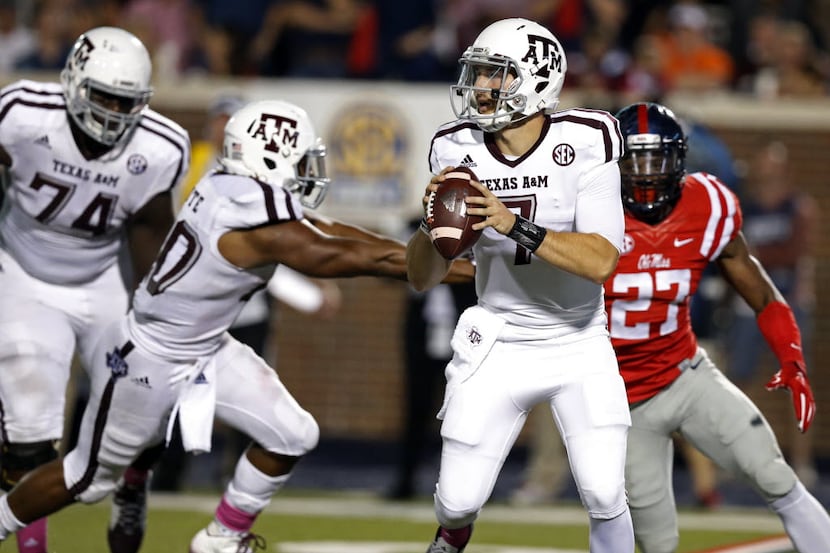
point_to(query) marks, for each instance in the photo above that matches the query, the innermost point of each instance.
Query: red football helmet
(653, 166)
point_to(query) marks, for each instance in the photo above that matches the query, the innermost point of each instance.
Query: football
(450, 227)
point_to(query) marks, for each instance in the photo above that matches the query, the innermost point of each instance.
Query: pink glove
(793, 377)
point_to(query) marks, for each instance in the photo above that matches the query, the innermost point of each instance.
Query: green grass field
(349, 523)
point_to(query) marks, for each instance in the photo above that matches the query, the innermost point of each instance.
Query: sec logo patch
(564, 154)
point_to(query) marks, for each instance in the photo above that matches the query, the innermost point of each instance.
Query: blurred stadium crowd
(618, 51)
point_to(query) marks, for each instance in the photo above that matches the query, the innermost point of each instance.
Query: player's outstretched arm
(460, 270)
(334, 227)
(308, 250)
(426, 268)
(776, 322)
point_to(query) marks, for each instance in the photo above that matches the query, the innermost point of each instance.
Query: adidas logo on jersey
(142, 381)
(43, 141)
(201, 379)
(467, 162)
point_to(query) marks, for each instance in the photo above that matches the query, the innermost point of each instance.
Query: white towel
(195, 408)
(474, 336)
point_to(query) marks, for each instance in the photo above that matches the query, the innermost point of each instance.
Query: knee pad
(86, 486)
(96, 491)
(18, 459)
(761, 462)
(774, 479)
(605, 503)
(309, 435)
(34, 387)
(453, 518)
(293, 437)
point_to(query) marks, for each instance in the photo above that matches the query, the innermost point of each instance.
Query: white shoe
(214, 539)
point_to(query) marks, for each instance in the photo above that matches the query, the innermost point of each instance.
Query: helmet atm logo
(282, 139)
(548, 47)
(81, 55)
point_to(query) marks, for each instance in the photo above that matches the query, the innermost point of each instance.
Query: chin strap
(777, 323)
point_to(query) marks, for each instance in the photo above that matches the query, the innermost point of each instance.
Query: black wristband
(424, 226)
(527, 234)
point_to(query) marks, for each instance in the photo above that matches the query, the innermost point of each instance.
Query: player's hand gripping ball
(450, 227)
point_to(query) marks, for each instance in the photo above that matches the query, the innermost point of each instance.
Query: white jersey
(193, 294)
(569, 181)
(64, 214)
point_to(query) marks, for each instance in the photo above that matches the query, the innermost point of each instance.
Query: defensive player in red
(675, 225)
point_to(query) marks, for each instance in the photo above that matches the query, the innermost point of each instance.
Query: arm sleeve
(295, 289)
(599, 205)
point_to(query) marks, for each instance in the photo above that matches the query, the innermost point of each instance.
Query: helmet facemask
(507, 104)
(651, 172)
(88, 108)
(311, 183)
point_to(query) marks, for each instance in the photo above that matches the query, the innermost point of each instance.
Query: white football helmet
(106, 82)
(274, 142)
(518, 47)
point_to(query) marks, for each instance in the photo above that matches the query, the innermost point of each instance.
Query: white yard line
(348, 506)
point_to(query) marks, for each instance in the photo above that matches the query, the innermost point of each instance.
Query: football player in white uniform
(90, 170)
(552, 235)
(171, 355)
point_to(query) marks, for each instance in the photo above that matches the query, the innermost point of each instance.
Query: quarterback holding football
(551, 232)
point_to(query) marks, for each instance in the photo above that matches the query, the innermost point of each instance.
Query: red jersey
(647, 297)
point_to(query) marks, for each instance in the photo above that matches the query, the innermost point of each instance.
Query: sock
(456, 537)
(32, 538)
(609, 535)
(135, 478)
(805, 520)
(232, 519)
(248, 493)
(9, 524)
